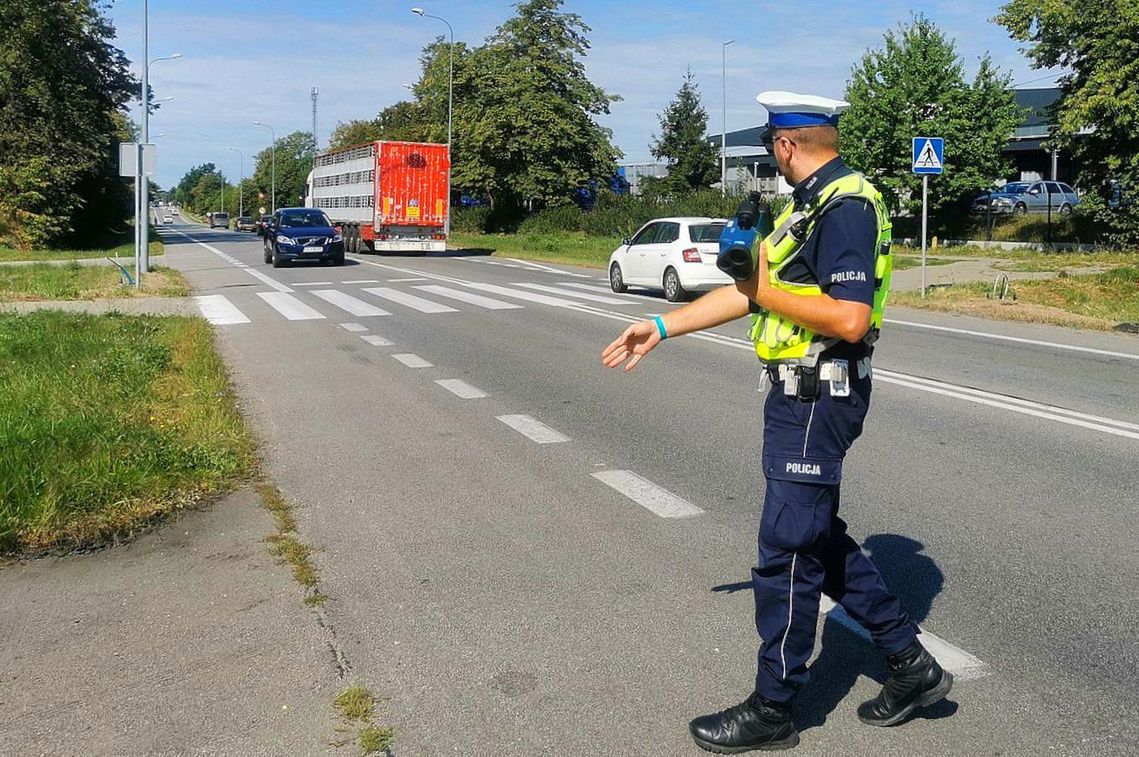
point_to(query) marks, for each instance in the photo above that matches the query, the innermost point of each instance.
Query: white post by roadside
(924, 220)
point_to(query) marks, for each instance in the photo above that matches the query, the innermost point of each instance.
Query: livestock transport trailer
(385, 196)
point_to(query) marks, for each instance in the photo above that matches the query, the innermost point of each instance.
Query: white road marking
(348, 303)
(413, 278)
(963, 666)
(378, 341)
(608, 290)
(355, 328)
(648, 495)
(229, 258)
(289, 306)
(362, 281)
(1017, 339)
(461, 388)
(610, 300)
(410, 300)
(474, 299)
(533, 429)
(551, 269)
(1026, 407)
(412, 361)
(312, 283)
(219, 311)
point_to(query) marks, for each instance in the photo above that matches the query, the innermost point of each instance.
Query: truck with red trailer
(385, 196)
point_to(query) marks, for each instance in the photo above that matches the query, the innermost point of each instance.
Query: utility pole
(724, 120)
(315, 142)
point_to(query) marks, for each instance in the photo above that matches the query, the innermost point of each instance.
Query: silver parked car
(1028, 197)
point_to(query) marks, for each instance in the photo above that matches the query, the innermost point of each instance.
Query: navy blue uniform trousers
(804, 549)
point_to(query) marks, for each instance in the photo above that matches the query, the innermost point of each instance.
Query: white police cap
(790, 110)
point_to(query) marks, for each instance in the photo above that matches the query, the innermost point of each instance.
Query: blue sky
(249, 60)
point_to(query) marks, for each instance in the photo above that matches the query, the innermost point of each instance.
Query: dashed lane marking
(219, 311)
(362, 281)
(312, 283)
(412, 361)
(474, 299)
(378, 341)
(348, 303)
(963, 666)
(290, 307)
(355, 328)
(550, 269)
(461, 388)
(533, 429)
(410, 300)
(655, 499)
(413, 278)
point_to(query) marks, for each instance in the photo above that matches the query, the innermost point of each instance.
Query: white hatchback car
(677, 255)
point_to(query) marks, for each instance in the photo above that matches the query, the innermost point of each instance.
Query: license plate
(314, 248)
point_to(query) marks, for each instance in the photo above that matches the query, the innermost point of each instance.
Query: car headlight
(337, 238)
(281, 239)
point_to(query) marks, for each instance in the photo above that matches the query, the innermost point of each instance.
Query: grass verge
(356, 706)
(1097, 301)
(72, 281)
(556, 247)
(125, 250)
(903, 262)
(108, 423)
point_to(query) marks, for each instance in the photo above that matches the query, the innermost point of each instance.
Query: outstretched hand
(637, 341)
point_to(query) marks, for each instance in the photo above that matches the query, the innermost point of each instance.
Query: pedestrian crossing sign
(928, 155)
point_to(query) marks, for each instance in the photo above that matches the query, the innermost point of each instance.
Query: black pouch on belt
(808, 383)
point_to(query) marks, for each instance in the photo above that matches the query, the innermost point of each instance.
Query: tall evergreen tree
(1097, 116)
(682, 143)
(915, 86)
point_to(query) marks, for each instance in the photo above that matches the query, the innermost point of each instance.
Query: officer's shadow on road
(915, 578)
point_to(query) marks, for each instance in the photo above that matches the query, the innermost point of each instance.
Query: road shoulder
(188, 640)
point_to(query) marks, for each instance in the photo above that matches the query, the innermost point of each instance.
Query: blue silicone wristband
(660, 327)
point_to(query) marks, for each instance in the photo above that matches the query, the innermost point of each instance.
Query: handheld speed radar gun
(737, 242)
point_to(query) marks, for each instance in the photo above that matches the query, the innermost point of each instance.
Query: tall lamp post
(450, 104)
(241, 180)
(142, 186)
(724, 118)
(273, 149)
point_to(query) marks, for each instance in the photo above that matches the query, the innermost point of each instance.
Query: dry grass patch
(72, 281)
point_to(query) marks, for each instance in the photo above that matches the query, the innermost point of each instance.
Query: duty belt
(803, 381)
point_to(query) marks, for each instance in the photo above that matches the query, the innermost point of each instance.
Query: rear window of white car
(705, 232)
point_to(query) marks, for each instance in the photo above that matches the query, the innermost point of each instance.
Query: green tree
(183, 190)
(1097, 116)
(682, 144)
(63, 87)
(525, 127)
(294, 161)
(915, 86)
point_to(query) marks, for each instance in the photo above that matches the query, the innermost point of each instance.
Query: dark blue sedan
(302, 234)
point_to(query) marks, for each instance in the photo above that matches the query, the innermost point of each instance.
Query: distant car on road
(302, 234)
(167, 219)
(219, 220)
(244, 223)
(677, 255)
(1020, 197)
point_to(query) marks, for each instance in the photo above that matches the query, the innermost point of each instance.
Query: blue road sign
(929, 153)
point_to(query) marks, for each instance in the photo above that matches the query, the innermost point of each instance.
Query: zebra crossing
(311, 304)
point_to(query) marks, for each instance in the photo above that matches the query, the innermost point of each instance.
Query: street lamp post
(450, 107)
(142, 186)
(273, 151)
(724, 119)
(240, 182)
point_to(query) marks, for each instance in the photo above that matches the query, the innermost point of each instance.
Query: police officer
(815, 299)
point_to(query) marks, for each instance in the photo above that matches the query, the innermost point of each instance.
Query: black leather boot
(755, 723)
(916, 680)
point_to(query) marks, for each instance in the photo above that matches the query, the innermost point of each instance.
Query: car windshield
(705, 232)
(300, 219)
(1015, 188)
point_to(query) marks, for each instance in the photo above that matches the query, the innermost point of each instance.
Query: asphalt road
(507, 600)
